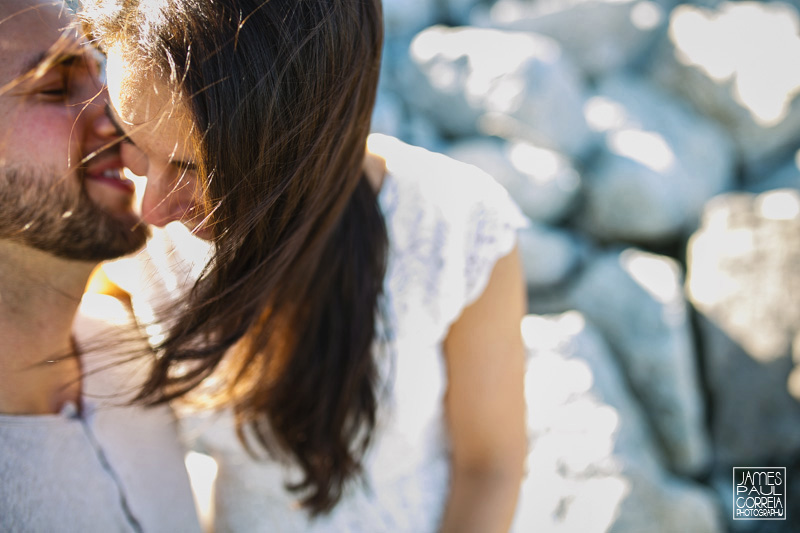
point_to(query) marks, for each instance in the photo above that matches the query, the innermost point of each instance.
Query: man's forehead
(30, 31)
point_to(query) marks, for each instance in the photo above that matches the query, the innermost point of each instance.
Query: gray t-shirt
(110, 468)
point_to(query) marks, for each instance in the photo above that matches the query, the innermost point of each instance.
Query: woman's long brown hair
(281, 93)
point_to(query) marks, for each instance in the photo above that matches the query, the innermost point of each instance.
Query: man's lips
(108, 170)
(113, 178)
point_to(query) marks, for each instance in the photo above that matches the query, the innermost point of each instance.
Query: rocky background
(653, 145)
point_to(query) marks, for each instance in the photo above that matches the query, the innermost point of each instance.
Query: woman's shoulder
(435, 175)
(429, 187)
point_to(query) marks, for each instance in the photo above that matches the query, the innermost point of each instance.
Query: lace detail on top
(448, 224)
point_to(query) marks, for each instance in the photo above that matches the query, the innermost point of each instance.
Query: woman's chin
(200, 231)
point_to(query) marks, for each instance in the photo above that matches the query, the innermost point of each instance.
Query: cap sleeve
(489, 232)
(449, 223)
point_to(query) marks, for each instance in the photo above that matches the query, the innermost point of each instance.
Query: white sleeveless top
(448, 223)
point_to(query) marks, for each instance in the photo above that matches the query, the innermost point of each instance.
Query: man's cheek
(109, 198)
(46, 141)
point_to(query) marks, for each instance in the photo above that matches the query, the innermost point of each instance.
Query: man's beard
(47, 213)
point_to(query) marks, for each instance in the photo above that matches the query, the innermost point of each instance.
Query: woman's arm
(485, 405)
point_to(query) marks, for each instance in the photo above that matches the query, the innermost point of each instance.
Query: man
(73, 455)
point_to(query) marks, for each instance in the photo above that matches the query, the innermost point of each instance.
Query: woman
(360, 313)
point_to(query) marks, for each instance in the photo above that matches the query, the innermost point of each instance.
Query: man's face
(61, 188)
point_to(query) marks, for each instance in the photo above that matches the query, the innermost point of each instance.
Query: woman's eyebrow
(184, 165)
(112, 116)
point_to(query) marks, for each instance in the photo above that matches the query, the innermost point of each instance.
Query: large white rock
(602, 36)
(513, 84)
(593, 465)
(744, 281)
(738, 64)
(658, 166)
(636, 300)
(543, 182)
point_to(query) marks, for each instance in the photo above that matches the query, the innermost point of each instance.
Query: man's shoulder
(115, 356)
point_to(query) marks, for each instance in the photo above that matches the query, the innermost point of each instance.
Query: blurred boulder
(629, 200)
(744, 282)
(786, 177)
(738, 64)
(457, 12)
(549, 255)
(636, 300)
(542, 182)
(407, 17)
(419, 130)
(659, 164)
(593, 464)
(601, 36)
(510, 84)
(404, 18)
(388, 114)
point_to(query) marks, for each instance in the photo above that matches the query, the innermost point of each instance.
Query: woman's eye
(123, 137)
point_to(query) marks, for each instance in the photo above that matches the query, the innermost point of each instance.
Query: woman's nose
(134, 159)
(159, 209)
(164, 202)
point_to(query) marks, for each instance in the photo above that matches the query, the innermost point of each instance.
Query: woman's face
(158, 145)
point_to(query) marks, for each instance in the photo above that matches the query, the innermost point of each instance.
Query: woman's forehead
(137, 94)
(151, 111)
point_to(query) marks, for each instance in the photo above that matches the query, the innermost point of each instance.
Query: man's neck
(39, 296)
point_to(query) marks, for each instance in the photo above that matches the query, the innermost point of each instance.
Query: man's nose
(99, 131)
(102, 125)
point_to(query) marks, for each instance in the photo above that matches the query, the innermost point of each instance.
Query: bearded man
(75, 456)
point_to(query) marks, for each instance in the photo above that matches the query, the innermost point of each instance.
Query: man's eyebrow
(48, 60)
